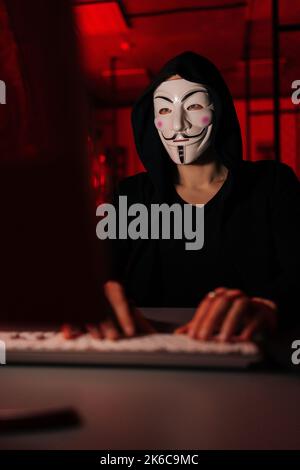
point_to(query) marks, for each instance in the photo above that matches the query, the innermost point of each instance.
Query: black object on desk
(37, 420)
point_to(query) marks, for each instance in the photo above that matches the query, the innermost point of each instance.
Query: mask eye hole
(194, 107)
(165, 111)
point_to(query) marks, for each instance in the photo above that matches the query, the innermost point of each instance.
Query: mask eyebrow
(192, 93)
(164, 98)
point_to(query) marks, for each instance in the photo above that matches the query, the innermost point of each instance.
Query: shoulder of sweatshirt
(271, 177)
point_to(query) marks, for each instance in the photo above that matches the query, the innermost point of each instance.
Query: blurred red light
(102, 158)
(102, 179)
(100, 18)
(125, 46)
(95, 182)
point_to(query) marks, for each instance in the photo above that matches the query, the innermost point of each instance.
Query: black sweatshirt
(252, 228)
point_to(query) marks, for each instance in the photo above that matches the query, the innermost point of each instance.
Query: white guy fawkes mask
(184, 119)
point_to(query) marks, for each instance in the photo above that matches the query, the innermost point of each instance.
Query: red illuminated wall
(261, 130)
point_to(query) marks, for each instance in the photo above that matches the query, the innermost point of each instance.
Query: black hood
(226, 136)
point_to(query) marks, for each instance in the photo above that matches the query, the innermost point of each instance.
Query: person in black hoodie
(245, 278)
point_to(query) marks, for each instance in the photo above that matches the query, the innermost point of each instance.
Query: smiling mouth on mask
(182, 137)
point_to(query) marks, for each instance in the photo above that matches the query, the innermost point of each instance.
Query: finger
(262, 301)
(94, 331)
(233, 293)
(70, 331)
(213, 318)
(206, 304)
(253, 326)
(270, 311)
(142, 323)
(239, 308)
(220, 290)
(116, 296)
(199, 316)
(109, 330)
(183, 329)
(227, 291)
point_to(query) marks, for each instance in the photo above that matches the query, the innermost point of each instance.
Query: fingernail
(222, 338)
(129, 330)
(70, 332)
(112, 337)
(202, 334)
(191, 333)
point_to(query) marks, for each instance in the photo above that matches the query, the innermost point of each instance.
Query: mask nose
(180, 123)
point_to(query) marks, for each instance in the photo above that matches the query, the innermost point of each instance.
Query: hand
(125, 319)
(229, 314)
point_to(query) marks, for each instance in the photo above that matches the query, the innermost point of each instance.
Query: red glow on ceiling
(124, 72)
(100, 18)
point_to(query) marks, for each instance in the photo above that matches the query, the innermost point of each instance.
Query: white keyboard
(156, 349)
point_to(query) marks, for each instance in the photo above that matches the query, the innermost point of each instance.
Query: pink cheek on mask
(205, 121)
(158, 123)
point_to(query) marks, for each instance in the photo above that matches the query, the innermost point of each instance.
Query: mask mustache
(184, 135)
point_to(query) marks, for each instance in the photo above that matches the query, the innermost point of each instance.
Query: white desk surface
(135, 408)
